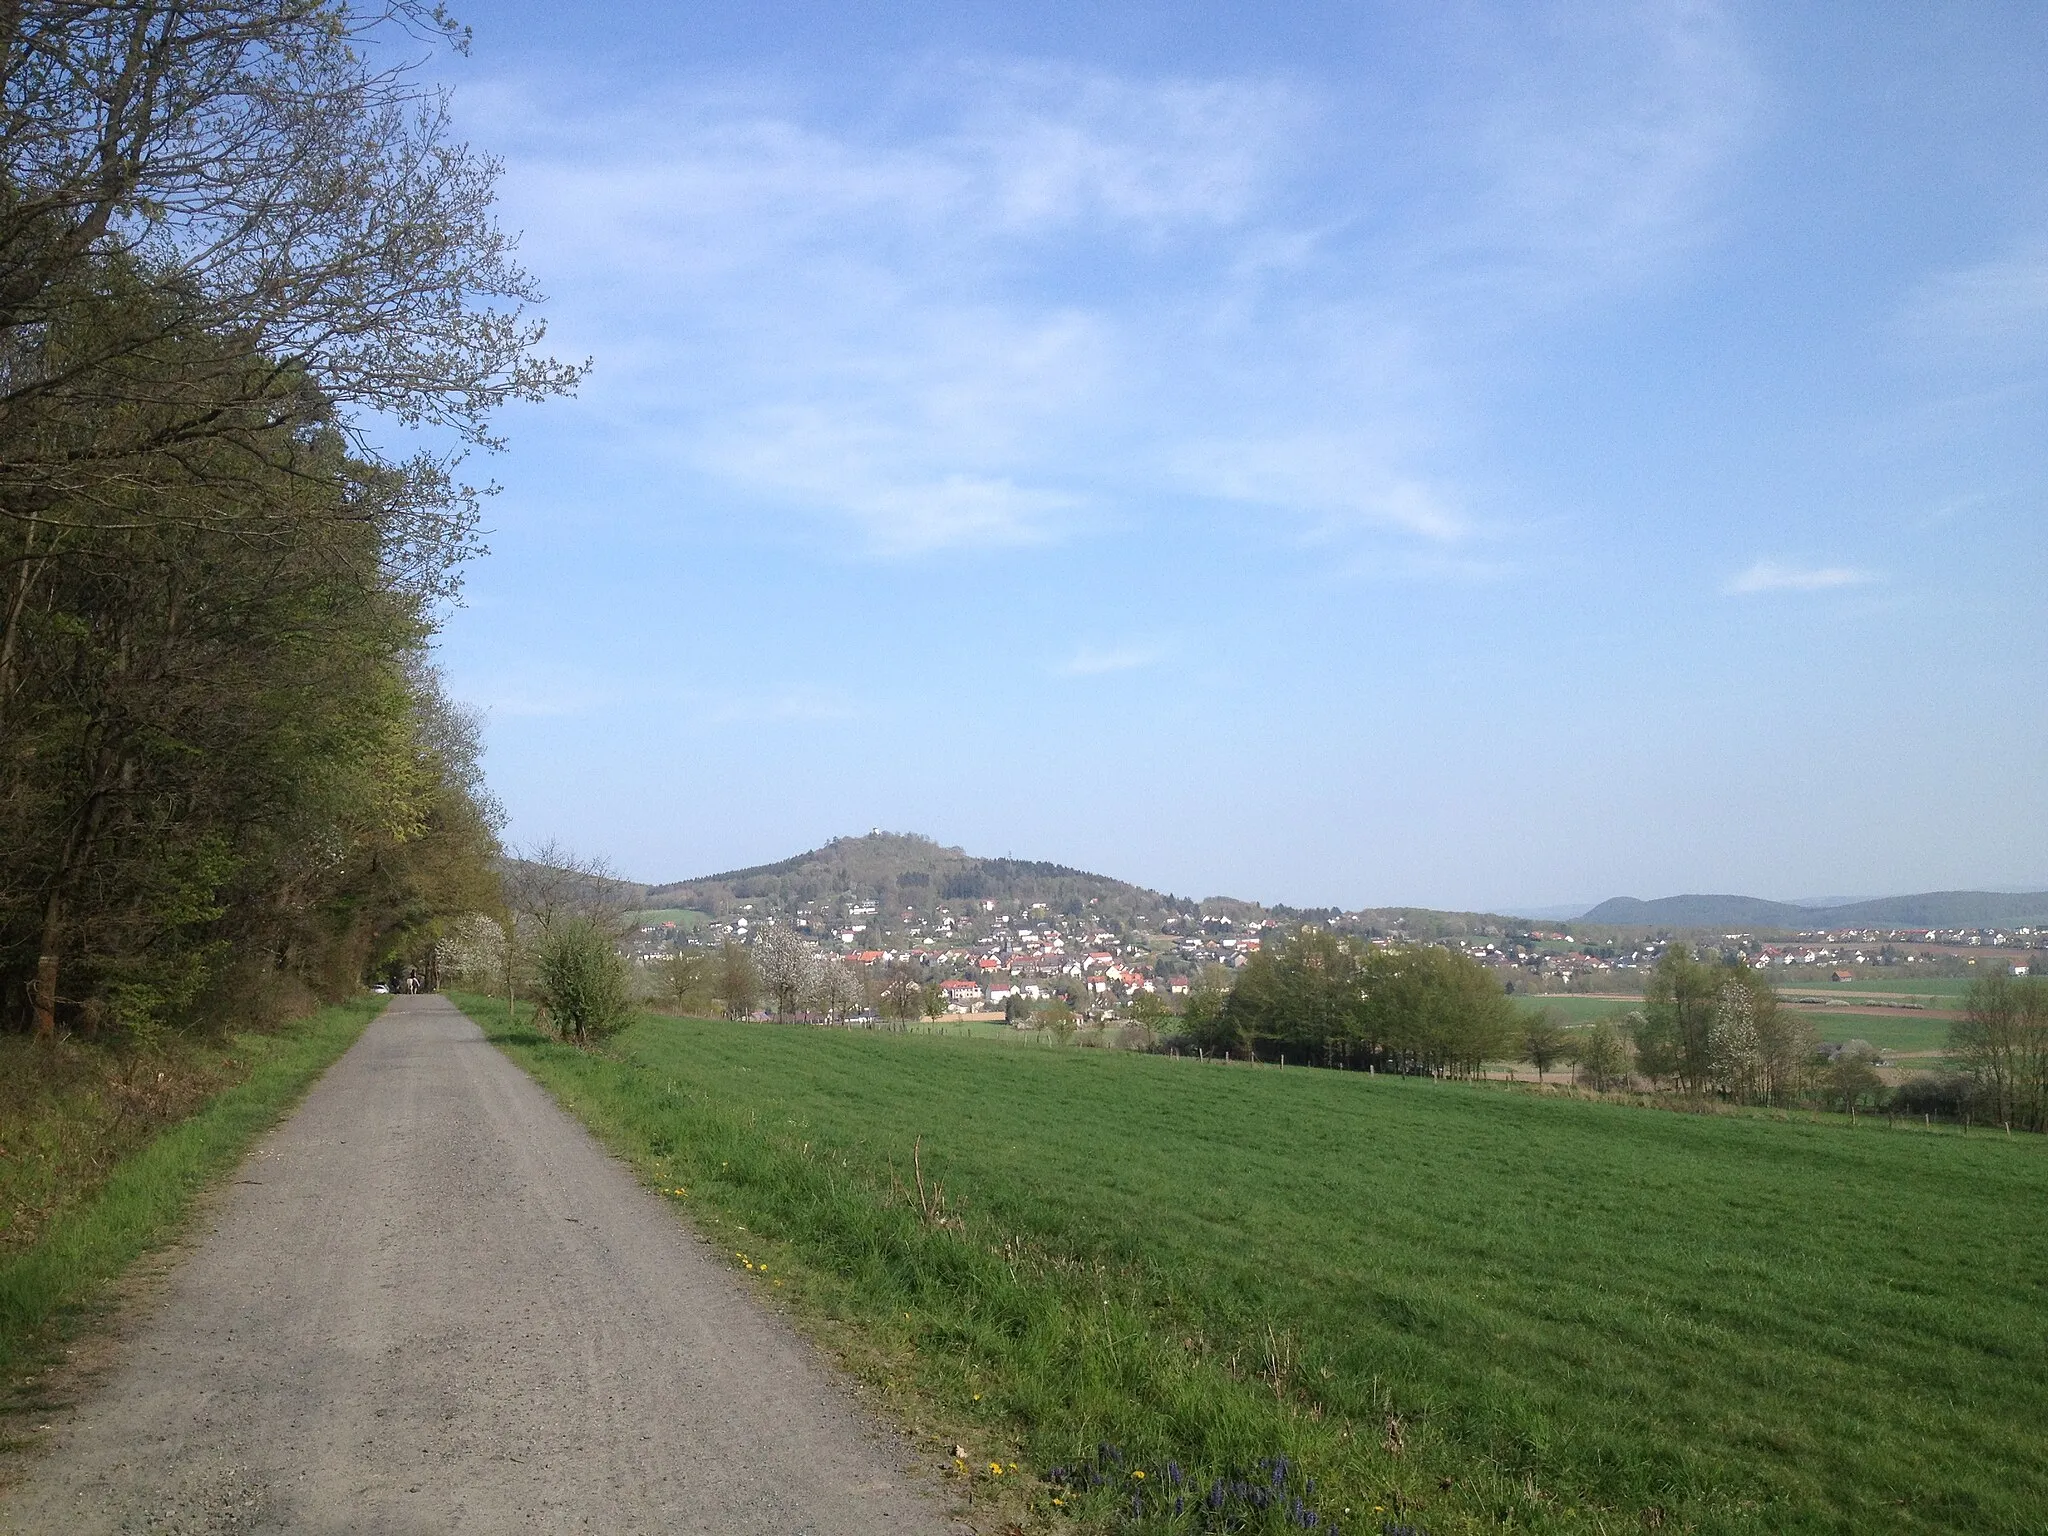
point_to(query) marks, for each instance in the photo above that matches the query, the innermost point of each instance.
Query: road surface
(431, 1303)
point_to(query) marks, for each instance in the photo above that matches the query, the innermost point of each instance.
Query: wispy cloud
(1031, 298)
(793, 705)
(1092, 661)
(1334, 481)
(1774, 576)
(1599, 139)
(1996, 309)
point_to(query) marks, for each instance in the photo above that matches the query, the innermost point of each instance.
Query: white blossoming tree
(789, 970)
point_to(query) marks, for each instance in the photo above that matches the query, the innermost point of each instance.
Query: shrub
(583, 981)
(1947, 1094)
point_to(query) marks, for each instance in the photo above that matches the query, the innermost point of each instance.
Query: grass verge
(81, 1216)
(1318, 1300)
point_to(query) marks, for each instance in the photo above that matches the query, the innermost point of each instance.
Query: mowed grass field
(1939, 991)
(1456, 1307)
(1898, 1030)
(1576, 1008)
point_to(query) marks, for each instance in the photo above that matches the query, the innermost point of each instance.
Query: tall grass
(99, 1230)
(1456, 1306)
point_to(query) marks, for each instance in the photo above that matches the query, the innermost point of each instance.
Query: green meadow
(1454, 1307)
(1890, 1030)
(1937, 991)
(689, 919)
(1577, 1009)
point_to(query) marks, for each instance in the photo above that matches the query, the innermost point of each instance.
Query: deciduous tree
(788, 968)
(2002, 1042)
(228, 239)
(1603, 1055)
(688, 981)
(1543, 1041)
(739, 982)
(1675, 1038)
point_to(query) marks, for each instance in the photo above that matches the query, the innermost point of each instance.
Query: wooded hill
(903, 869)
(897, 870)
(1931, 909)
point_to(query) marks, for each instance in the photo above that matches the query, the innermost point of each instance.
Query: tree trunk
(11, 637)
(46, 997)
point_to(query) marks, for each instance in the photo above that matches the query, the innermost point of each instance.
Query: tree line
(1706, 1028)
(559, 939)
(1326, 999)
(228, 242)
(1716, 1029)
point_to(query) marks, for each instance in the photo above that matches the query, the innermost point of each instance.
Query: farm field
(1457, 1307)
(1933, 988)
(1576, 1008)
(1889, 1031)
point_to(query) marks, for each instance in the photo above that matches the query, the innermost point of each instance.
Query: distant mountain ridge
(1930, 909)
(894, 869)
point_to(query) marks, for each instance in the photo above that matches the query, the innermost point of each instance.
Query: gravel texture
(430, 1302)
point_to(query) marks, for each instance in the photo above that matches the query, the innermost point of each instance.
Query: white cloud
(1772, 576)
(1338, 482)
(1996, 309)
(789, 705)
(1606, 133)
(1091, 661)
(1031, 299)
(870, 472)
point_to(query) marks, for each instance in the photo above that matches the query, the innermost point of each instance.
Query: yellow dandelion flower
(977, 1397)
(1139, 1474)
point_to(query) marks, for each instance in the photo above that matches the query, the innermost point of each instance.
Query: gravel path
(431, 1303)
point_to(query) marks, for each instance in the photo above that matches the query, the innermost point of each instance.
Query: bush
(1946, 1094)
(583, 981)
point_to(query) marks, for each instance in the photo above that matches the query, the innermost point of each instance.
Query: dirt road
(431, 1303)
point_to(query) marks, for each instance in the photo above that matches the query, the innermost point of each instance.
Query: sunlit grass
(1565, 1315)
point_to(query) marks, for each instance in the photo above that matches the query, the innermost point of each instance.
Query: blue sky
(1454, 454)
